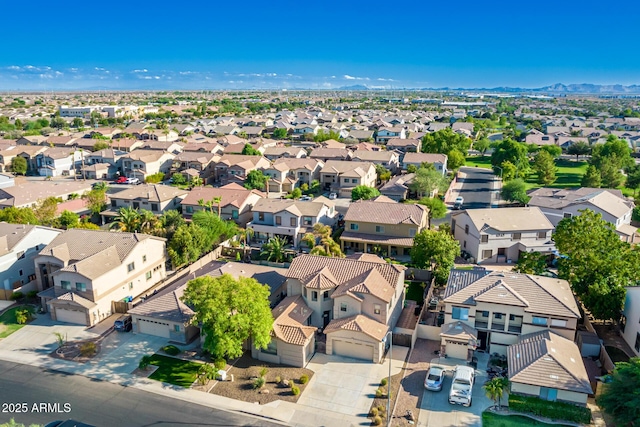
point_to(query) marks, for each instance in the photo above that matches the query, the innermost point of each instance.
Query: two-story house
(289, 219)
(356, 302)
(325, 154)
(500, 235)
(103, 164)
(82, 272)
(235, 167)
(155, 198)
(302, 170)
(383, 226)
(439, 161)
(280, 178)
(59, 161)
(343, 176)
(389, 159)
(19, 244)
(274, 153)
(407, 145)
(236, 202)
(398, 187)
(142, 163)
(386, 133)
(196, 162)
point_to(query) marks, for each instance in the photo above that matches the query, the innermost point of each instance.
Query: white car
(133, 181)
(434, 379)
(333, 196)
(457, 204)
(462, 385)
(305, 198)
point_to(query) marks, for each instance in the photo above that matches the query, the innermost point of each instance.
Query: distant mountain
(558, 88)
(355, 87)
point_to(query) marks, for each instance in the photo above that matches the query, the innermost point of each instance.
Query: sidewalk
(454, 188)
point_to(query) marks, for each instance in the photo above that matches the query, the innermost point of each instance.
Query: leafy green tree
(436, 250)
(545, 168)
(531, 263)
(383, 173)
(100, 145)
(591, 178)
(412, 169)
(508, 171)
(215, 229)
(255, 179)
(274, 249)
(68, 219)
(616, 150)
(14, 215)
(633, 178)
(515, 191)
(321, 242)
(19, 165)
(230, 312)
(178, 179)
(597, 264)
(322, 136)
(578, 149)
(280, 133)
(611, 175)
(186, 245)
(169, 222)
(437, 208)
(482, 145)
(96, 199)
(445, 140)
(495, 389)
(12, 423)
(621, 397)
(296, 193)
(455, 159)
(363, 192)
(427, 181)
(514, 152)
(77, 122)
(46, 210)
(554, 150)
(248, 150)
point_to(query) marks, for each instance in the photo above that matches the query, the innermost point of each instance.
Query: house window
(637, 345)
(144, 258)
(278, 220)
(136, 205)
(176, 328)
(466, 229)
(325, 295)
(260, 216)
(497, 323)
(304, 292)
(540, 321)
(517, 236)
(234, 214)
(487, 253)
(567, 214)
(81, 286)
(346, 180)
(460, 313)
(559, 323)
(293, 222)
(353, 227)
(623, 323)
(154, 206)
(354, 181)
(314, 295)
(148, 275)
(484, 238)
(306, 220)
(376, 309)
(343, 306)
(412, 232)
(20, 254)
(189, 209)
(515, 323)
(131, 267)
(130, 285)
(65, 284)
(272, 347)
(113, 203)
(379, 228)
(542, 234)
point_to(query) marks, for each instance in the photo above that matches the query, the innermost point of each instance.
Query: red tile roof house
(236, 202)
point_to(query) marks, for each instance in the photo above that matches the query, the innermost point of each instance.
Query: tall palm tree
(208, 204)
(148, 222)
(245, 236)
(274, 249)
(218, 201)
(321, 242)
(495, 388)
(196, 181)
(128, 220)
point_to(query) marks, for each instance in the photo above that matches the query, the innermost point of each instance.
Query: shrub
(383, 382)
(635, 214)
(16, 296)
(379, 393)
(373, 412)
(155, 178)
(88, 349)
(32, 294)
(220, 364)
(259, 382)
(278, 379)
(377, 420)
(144, 363)
(553, 410)
(171, 350)
(22, 316)
(381, 409)
(304, 379)
(263, 372)
(295, 390)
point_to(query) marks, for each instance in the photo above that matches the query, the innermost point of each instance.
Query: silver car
(434, 379)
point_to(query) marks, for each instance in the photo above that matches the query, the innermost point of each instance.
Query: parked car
(434, 379)
(123, 324)
(121, 180)
(132, 181)
(462, 385)
(333, 196)
(67, 423)
(305, 198)
(457, 204)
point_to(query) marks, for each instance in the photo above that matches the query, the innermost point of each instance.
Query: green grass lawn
(415, 291)
(479, 162)
(8, 324)
(492, 420)
(569, 175)
(174, 371)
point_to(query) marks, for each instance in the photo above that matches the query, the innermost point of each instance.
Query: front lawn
(8, 323)
(479, 162)
(174, 371)
(490, 419)
(569, 175)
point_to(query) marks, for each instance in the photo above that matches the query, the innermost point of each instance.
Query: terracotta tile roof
(167, 306)
(370, 282)
(459, 330)
(346, 168)
(359, 256)
(152, 193)
(322, 280)
(290, 317)
(353, 236)
(386, 211)
(77, 299)
(295, 207)
(232, 194)
(301, 163)
(358, 323)
(508, 219)
(546, 359)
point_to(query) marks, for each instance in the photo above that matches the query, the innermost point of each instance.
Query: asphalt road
(477, 188)
(99, 403)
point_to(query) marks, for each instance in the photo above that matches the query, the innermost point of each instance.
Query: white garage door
(71, 316)
(352, 349)
(457, 351)
(150, 327)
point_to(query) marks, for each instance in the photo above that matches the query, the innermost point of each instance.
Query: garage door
(352, 349)
(71, 316)
(150, 327)
(457, 351)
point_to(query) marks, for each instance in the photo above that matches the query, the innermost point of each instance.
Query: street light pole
(390, 334)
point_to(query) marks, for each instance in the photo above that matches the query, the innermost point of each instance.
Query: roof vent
(554, 377)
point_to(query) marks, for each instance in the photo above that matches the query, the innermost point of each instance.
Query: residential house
(303, 170)
(28, 193)
(343, 176)
(103, 164)
(540, 139)
(495, 308)
(126, 144)
(274, 153)
(236, 202)
(252, 131)
(59, 161)
(155, 198)
(383, 226)
(280, 178)
(463, 128)
(439, 161)
(81, 273)
(29, 153)
(235, 167)
(202, 163)
(398, 187)
(325, 154)
(289, 219)
(407, 145)
(500, 235)
(31, 140)
(19, 244)
(356, 302)
(546, 365)
(386, 133)
(142, 163)
(630, 319)
(565, 142)
(303, 129)
(365, 146)
(389, 159)
(361, 135)
(173, 147)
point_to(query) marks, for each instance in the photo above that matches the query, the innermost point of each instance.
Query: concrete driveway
(121, 351)
(345, 386)
(435, 409)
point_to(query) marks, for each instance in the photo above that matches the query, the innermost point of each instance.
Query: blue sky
(329, 44)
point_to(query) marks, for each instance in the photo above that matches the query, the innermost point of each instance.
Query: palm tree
(218, 201)
(495, 388)
(245, 235)
(274, 249)
(101, 186)
(321, 241)
(148, 222)
(207, 204)
(128, 220)
(169, 223)
(196, 181)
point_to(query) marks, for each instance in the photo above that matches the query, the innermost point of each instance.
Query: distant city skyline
(211, 45)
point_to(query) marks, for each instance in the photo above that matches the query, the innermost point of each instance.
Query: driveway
(435, 409)
(345, 386)
(121, 351)
(478, 188)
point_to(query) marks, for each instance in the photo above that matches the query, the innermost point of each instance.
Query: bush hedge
(171, 350)
(552, 410)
